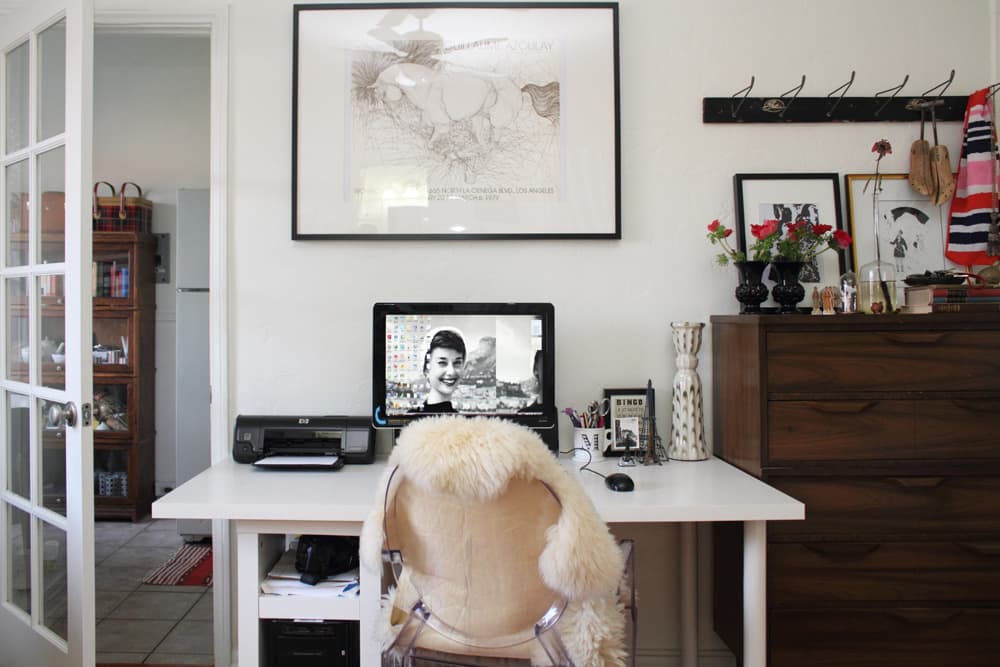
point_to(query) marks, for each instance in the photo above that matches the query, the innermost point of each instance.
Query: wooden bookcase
(885, 427)
(124, 301)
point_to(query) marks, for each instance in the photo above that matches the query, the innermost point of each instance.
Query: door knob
(62, 413)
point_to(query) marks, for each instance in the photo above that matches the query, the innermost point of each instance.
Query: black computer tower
(310, 643)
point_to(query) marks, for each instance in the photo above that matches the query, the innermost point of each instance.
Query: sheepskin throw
(475, 460)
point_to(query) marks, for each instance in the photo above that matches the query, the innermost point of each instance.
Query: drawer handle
(843, 407)
(925, 616)
(982, 548)
(841, 550)
(913, 338)
(918, 482)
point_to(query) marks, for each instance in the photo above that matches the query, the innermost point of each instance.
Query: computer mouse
(619, 481)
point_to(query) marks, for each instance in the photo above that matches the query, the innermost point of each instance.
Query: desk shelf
(302, 606)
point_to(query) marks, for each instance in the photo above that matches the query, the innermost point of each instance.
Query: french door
(46, 374)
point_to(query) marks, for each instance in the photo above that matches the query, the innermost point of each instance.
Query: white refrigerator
(193, 394)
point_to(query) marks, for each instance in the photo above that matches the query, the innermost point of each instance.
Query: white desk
(265, 504)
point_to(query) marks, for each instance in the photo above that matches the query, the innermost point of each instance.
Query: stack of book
(951, 299)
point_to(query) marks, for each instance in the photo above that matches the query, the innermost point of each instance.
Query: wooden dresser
(888, 429)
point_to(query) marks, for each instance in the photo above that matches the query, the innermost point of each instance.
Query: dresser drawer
(834, 573)
(866, 430)
(852, 361)
(862, 508)
(911, 637)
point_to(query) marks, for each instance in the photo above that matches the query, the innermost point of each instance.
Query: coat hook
(845, 87)
(746, 92)
(943, 86)
(993, 90)
(778, 105)
(894, 90)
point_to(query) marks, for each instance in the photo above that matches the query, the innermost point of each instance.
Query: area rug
(190, 566)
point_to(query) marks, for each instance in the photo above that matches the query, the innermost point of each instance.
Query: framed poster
(789, 198)
(626, 410)
(455, 121)
(911, 230)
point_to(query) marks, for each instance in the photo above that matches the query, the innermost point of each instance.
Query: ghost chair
(497, 555)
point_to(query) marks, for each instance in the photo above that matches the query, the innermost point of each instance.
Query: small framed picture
(623, 428)
(911, 229)
(789, 198)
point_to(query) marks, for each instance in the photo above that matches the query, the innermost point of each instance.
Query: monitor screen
(495, 359)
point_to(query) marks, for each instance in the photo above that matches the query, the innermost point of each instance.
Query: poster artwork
(628, 412)
(789, 213)
(441, 119)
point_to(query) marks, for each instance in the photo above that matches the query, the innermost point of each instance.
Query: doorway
(152, 127)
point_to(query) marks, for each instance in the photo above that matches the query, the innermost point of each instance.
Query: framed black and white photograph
(455, 121)
(626, 410)
(911, 229)
(790, 198)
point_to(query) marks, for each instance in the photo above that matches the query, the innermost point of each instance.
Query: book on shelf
(922, 295)
(966, 307)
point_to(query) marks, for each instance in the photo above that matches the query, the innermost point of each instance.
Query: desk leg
(247, 587)
(689, 594)
(754, 593)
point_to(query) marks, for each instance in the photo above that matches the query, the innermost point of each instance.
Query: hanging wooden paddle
(944, 180)
(921, 179)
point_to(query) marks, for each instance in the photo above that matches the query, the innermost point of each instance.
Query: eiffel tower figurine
(650, 439)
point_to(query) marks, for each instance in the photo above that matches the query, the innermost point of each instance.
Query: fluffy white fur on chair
(475, 459)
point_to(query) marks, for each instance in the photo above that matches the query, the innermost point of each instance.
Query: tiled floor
(140, 623)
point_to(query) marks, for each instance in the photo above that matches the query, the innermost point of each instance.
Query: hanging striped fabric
(973, 204)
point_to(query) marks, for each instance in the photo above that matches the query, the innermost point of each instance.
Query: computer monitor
(492, 359)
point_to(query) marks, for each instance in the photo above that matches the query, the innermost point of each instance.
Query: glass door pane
(19, 350)
(53, 459)
(16, 194)
(19, 445)
(52, 209)
(16, 97)
(18, 551)
(52, 346)
(52, 80)
(53, 583)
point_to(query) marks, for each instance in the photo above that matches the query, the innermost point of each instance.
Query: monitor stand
(550, 436)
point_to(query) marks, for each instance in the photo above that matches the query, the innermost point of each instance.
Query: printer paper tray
(300, 462)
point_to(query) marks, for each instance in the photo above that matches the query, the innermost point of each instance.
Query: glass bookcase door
(111, 473)
(112, 400)
(113, 335)
(112, 279)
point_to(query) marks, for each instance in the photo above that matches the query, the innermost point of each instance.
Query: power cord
(590, 459)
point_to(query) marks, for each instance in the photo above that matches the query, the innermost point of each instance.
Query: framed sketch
(789, 198)
(911, 229)
(626, 409)
(456, 120)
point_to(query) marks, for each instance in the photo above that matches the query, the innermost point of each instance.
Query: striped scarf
(973, 204)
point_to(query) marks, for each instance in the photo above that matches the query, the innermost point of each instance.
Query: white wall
(300, 316)
(151, 124)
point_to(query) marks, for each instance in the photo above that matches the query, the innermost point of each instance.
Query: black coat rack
(884, 106)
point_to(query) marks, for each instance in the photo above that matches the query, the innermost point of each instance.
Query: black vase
(788, 291)
(751, 292)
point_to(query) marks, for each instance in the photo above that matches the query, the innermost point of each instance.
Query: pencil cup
(588, 439)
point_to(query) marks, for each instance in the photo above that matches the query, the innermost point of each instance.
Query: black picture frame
(626, 409)
(374, 158)
(788, 195)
